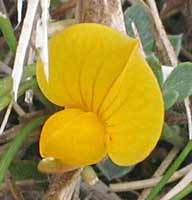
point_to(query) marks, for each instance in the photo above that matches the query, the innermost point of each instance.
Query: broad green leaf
(139, 14)
(172, 136)
(28, 71)
(156, 68)
(4, 101)
(25, 169)
(29, 84)
(144, 24)
(170, 98)
(5, 85)
(176, 41)
(111, 170)
(179, 81)
(16, 144)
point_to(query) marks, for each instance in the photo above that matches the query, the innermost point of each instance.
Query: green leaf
(144, 24)
(111, 170)
(4, 101)
(28, 84)
(155, 65)
(16, 144)
(8, 33)
(140, 15)
(176, 41)
(178, 83)
(55, 3)
(5, 85)
(172, 136)
(28, 71)
(170, 98)
(25, 169)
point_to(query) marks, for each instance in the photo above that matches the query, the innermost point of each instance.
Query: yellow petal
(97, 69)
(73, 136)
(133, 112)
(85, 61)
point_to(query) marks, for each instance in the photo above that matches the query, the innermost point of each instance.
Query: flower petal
(85, 61)
(74, 137)
(133, 112)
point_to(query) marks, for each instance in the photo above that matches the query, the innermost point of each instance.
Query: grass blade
(7, 30)
(17, 143)
(170, 171)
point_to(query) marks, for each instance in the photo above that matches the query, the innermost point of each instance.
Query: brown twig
(23, 185)
(5, 68)
(60, 11)
(108, 12)
(99, 191)
(17, 195)
(63, 186)
(162, 41)
(175, 118)
(186, 53)
(3, 8)
(12, 132)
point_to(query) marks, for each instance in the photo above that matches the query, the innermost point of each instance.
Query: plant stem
(16, 144)
(183, 193)
(170, 171)
(7, 30)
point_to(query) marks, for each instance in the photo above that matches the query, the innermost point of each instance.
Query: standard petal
(74, 137)
(133, 113)
(85, 61)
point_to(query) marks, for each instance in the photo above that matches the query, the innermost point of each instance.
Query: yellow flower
(114, 104)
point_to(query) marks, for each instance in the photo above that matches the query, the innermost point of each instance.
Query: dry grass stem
(5, 68)
(2, 7)
(63, 186)
(17, 195)
(161, 169)
(186, 180)
(5, 119)
(99, 191)
(163, 39)
(148, 183)
(19, 110)
(23, 44)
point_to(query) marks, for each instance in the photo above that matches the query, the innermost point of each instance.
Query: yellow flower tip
(115, 100)
(51, 165)
(74, 137)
